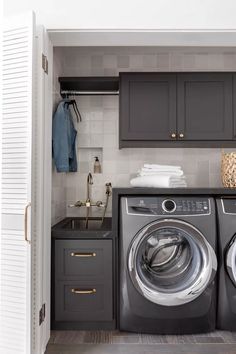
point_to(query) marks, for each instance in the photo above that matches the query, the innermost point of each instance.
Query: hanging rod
(83, 93)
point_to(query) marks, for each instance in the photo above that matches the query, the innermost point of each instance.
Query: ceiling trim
(166, 38)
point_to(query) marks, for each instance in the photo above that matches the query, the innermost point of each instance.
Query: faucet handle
(77, 204)
(108, 188)
(99, 203)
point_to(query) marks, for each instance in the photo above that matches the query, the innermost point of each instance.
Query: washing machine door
(231, 260)
(170, 262)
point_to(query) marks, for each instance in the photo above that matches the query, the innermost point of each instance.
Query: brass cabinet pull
(181, 135)
(79, 254)
(173, 135)
(83, 291)
(26, 222)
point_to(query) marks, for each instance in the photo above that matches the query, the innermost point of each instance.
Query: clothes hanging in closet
(64, 139)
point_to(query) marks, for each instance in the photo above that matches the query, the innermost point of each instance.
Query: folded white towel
(149, 172)
(161, 167)
(164, 181)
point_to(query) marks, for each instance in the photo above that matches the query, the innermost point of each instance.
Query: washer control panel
(229, 205)
(168, 205)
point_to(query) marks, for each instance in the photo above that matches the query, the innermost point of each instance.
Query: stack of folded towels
(160, 176)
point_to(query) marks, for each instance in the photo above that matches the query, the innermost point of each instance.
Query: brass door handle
(26, 222)
(83, 291)
(173, 135)
(79, 254)
(181, 135)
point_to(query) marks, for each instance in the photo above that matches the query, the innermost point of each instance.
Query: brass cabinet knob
(173, 135)
(181, 135)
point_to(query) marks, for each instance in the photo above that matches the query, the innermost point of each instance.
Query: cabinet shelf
(89, 85)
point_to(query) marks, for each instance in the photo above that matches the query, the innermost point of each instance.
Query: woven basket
(228, 169)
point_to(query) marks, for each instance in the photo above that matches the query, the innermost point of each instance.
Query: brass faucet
(89, 183)
(88, 203)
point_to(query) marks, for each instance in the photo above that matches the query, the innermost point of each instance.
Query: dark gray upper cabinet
(204, 106)
(177, 109)
(147, 106)
(234, 106)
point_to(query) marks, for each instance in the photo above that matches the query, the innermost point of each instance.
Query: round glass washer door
(170, 262)
(231, 260)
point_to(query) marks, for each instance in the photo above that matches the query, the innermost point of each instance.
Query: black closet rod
(76, 93)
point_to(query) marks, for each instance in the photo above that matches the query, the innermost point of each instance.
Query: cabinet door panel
(234, 106)
(82, 258)
(204, 107)
(147, 106)
(84, 301)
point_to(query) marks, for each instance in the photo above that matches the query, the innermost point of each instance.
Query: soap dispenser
(97, 166)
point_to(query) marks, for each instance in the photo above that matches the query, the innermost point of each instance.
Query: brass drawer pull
(84, 291)
(79, 254)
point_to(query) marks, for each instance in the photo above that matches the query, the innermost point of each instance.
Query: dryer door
(170, 262)
(231, 260)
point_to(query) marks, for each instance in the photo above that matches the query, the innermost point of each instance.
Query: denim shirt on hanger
(64, 139)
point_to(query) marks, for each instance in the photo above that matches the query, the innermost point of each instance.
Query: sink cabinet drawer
(83, 259)
(83, 301)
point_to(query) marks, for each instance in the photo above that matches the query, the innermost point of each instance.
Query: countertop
(173, 191)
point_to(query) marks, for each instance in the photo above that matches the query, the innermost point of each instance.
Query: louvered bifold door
(15, 246)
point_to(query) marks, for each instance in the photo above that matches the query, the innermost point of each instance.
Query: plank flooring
(115, 342)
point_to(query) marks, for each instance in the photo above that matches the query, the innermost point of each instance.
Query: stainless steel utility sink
(76, 227)
(80, 224)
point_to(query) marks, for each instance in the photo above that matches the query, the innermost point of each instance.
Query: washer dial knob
(169, 206)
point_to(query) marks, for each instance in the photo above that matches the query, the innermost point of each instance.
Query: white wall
(123, 14)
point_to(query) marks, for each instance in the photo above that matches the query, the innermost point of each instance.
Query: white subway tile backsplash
(149, 61)
(188, 62)
(229, 60)
(163, 62)
(96, 140)
(110, 61)
(123, 61)
(216, 62)
(97, 62)
(109, 167)
(83, 167)
(202, 62)
(83, 127)
(110, 127)
(83, 140)
(136, 61)
(96, 127)
(110, 141)
(98, 132)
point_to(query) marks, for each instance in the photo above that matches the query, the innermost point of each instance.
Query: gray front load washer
(167, 264)
(226, 315)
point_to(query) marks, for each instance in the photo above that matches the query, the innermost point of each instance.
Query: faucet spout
(89, 182)
(88, 200)
(90, 178)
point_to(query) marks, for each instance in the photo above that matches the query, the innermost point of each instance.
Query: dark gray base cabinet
(177, 109)
(83, 284)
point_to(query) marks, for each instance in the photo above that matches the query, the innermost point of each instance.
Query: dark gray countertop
(173, 191)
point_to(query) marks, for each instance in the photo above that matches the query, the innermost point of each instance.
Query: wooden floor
(115, 342)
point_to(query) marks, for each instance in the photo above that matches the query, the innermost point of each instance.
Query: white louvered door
(15, 246)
